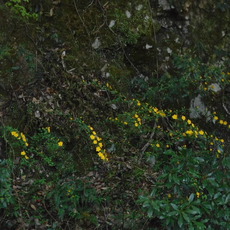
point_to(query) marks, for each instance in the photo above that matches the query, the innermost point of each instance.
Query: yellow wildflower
(95, 142)
(99, 139)
(136, 124)
(94, 133)
(216, 118)
(14, 133)
(158, 145)
(48, 129)
(136, 116)
(27, 157)
(23, 137)
(225, 123)
(92, 137)
(183, 118)
(125, 123)
(60, 143)
(189, 122)
(169, 195)
(98, 148)
(198, 194)
(175, 116)
(222, 140)
(189, 132)
(201, 132)
(100, 144)
(221, 122)
(103, 156)
(23, 153)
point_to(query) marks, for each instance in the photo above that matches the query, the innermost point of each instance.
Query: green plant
(19, 7)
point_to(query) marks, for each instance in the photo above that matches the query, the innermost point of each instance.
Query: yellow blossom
(27, 157)
(189, 132)
(23, 153)
(14, 133)
(216, 118)
(98, 148)
(99, 139)
(23, 137)
(201, 132)
(95, 142)
(103, 156)
(92, 137)
(189, 122)
(221, 122)
(175, 116)
(198, 194)
(100, 144)
(169, 195)
(222, 140)
(136, 124)
(183, 118)
(158, 145)
(225, 123)
(48, 129)
(136, 116)
(60, 143)
(125, 123)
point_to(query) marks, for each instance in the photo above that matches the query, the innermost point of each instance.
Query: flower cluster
(137, 120)
(97, 141)
(20, 136)
(23, 153)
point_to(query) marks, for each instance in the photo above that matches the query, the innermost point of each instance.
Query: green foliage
(6, 192)
(19, 7)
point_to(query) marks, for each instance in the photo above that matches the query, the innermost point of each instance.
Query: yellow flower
(136, 116)
(216, 118)
(103, 156)
(27, 157)
(94, 133)
(98, 148)
(99, 139)
(201, 132)
(100, 144)
(169, 195)
(136, 124)
(189, 132)
(221, 122)
(225, 123)
(91, 128)
(155, 109)
(95, 142)
(183, 118)
(92, 137)
(48, 129)
(158, 145)
(189, 122)
(15, 134)
(138, 103)
(23, 137)
(23, 153)
(175, 116)
(125, 123)
(60, 143)
(222, 140)
(198, 194)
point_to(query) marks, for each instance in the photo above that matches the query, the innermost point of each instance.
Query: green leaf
(191, 197)
(185, 216)
(180, 221)
(175, 207)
